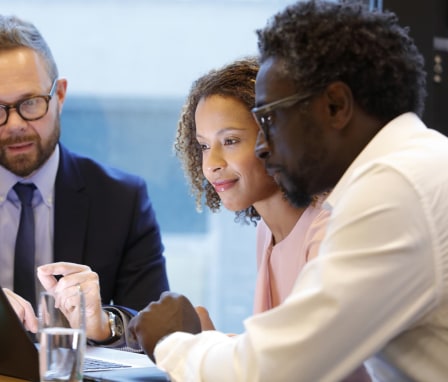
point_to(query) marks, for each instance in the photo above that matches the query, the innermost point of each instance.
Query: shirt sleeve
(373, 279)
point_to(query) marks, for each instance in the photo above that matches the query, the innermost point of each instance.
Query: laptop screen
(18, 355)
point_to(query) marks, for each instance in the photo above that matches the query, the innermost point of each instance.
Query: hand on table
(23, 309)
(76, 277)
(171, 313)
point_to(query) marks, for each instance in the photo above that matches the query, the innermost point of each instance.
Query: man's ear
(339, 100)
(61, 92)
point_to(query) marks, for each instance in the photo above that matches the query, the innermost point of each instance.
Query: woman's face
(227, 133)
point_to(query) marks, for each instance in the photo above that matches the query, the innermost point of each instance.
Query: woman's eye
(203, 147)
(230, 141)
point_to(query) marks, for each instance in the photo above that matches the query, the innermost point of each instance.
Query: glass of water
(62, 339)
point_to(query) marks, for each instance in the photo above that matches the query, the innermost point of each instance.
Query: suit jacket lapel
(71, 210)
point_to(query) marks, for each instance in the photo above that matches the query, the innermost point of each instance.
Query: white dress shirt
(43, 206)
(379, 286)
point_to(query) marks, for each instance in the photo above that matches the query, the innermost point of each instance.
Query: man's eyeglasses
(29, 109)
(264, 115)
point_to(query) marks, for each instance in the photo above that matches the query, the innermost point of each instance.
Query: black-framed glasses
(264, 115)
(29, 109)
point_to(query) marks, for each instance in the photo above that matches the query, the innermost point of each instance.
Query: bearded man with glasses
(89, 227)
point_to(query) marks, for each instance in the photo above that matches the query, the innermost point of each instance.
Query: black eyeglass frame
(260, 113)
(18, 104)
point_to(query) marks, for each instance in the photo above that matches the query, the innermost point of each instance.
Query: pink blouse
(280, 264)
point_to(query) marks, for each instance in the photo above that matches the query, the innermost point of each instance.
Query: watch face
(116, 326)
(119, 328)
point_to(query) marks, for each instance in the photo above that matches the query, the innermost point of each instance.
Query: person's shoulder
(262, 227)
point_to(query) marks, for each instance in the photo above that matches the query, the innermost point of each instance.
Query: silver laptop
(19, 356)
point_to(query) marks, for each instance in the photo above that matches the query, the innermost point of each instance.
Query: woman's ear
(339, 100)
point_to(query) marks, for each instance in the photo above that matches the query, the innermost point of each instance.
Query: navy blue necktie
(24, 266)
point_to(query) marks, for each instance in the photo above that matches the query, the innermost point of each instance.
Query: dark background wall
(428, 23)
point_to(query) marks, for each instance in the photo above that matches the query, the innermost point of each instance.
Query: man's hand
(171, 313)
(23, 309)
(76, 277)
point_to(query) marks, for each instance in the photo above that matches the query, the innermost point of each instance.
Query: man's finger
(61, 268)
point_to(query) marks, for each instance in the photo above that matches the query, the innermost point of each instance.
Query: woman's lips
(224, 185)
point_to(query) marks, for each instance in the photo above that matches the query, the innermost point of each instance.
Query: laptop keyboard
(91, 364)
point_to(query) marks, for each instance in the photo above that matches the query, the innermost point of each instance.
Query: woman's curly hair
(320, 42)
(236, 80)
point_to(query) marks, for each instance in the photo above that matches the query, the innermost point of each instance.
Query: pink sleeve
(316, 233)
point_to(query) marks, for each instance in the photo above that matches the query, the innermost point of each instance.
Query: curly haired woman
(215, 142)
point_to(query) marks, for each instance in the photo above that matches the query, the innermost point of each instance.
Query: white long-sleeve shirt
(379, 286)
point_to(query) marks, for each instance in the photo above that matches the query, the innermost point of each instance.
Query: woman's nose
(214, 160)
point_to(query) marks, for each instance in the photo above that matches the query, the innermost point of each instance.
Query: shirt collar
(384, 142)
(44, 179)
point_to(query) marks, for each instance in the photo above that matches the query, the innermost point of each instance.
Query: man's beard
(301, 182)
(295, 192)
(24, 165)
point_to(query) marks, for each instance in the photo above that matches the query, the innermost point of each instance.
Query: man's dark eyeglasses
(29, 109)
(264, 114)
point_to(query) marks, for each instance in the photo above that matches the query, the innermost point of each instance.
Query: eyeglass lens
(29, 109)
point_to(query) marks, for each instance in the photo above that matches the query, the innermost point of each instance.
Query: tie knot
(25, 192)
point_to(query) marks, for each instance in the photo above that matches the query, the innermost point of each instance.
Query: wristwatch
(116, 329)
